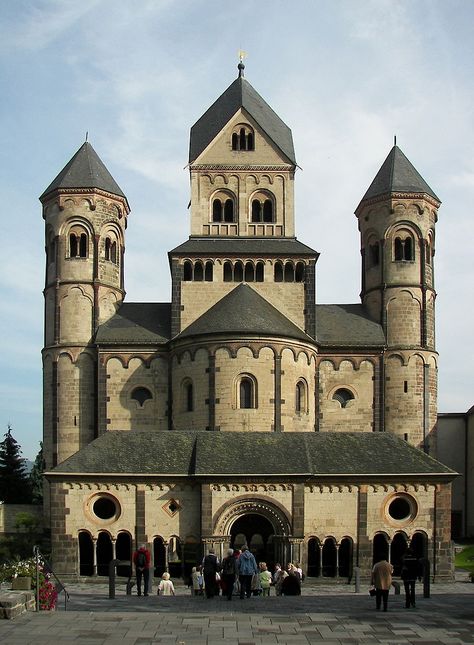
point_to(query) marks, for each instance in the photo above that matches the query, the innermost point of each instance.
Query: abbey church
(242, 410)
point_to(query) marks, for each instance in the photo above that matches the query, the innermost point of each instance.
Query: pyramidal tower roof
(85, 170)
(240, 94)
(397, 175)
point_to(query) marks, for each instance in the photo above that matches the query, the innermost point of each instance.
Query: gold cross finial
(242, 55)
(241, 65)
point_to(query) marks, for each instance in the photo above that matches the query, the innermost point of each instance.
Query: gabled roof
(137, 323)
(85, 170)
(244, 246)
(244, 311)
(347, 325)
(398, 175)
(304, 454)
(240, 94)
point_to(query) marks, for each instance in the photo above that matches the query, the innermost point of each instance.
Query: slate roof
(397, 175)
(203, 454)
(347, 325)
(240, 94)
(137, 323)
(244, 311)
(85, 170)
(260, 246)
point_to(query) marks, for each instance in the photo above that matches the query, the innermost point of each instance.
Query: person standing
(411, 570)
(229, 572)
(247, 569)
(166, 587)
(278, 577)
(382, 579)
(210, 569)
(265, 579)
(141, 560)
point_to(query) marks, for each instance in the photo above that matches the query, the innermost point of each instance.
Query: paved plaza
(330, 614)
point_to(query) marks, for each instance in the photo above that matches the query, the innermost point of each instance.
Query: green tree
(14, 481)
(36, 477)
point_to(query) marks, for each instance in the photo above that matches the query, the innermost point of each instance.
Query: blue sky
(344, 75)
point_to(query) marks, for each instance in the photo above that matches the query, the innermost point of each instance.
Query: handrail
(48, 569)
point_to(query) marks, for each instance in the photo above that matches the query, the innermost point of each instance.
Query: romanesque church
(242, 410)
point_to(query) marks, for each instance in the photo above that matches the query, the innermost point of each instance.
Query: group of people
(412, 570)
(239, 574)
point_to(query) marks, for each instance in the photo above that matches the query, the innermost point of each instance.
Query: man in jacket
(210, 568)
(229, 573)
(411, 570)
(141, 560)
(247, 569)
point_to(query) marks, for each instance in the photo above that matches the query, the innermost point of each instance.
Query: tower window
(227, 272)
(262, 209)
(243, 138)
(223, 207)
(187, 396)
(78, 243)
(187, 271)
(246, 393)
(404, 249)
(374, 254)
(249, 272)
(208, 271)
(259, 270)
(111, 250)
(198, 272)
(343, 396)
(278, 272)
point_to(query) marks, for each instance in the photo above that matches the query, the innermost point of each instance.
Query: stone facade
(261, 361)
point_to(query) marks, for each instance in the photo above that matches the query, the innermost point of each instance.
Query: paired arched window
(111, 250)
(223, 209)
(301, 397)
(240, 272)
(404, 248)
(262, 208)
(343, 396)
(197, 271)
(78, 243)
(289, 272)
(246, 392)
(140, 395)
(243, 138)
(373, 258)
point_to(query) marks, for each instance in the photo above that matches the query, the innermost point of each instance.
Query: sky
(344, 75)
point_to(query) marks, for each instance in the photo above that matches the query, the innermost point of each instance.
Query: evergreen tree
(14, 481)
(36, 477)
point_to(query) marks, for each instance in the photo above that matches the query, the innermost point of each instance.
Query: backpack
(141, 560)
(228, 565)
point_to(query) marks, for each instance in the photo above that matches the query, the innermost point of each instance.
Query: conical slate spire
(397, 175)
(85, 170)
(240, 94)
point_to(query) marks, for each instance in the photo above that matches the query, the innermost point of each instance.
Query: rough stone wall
(195, 370)
(331, 511)
(443, 557)
(294, 371)
(403, 318)
(358, 415)
(404, 396)
(123, 376)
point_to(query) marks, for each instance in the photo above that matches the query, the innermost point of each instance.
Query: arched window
(208, 270)
(289, 272)
(187, 396)
(249, 272)
(187, 271)
(238, 271)
(107, 248)
(217, 210)
(229, 210)
(301, 397)
(278, 272)
(268, 211)
(228, 272)
(256, 211)
(110, 252)
(51, 250)
(78, 243)
(223, 206)
(140, 395)
(374, 254)
(259, 269)
(198, 272)
(243, 138)
(299, 272)
(262, 209)
(404, 249)
(343, 396)
(113, 252)
(246, 393)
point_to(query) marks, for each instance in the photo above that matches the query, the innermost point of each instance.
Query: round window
(105, 507)
(401, 508)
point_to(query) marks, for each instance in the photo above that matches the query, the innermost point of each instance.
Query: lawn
(465, 559)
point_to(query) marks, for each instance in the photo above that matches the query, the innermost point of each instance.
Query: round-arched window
(104, 507)
(401, 508)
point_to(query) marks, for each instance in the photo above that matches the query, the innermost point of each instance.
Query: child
(265, 579)
(196, 580)
(166, 587)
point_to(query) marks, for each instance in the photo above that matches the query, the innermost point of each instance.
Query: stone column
(364, 547)
(442, 565)
(94, 553)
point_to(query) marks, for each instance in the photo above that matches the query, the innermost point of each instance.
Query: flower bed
(48, 594)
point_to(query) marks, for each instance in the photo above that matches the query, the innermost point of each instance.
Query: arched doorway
(314, 558)
(104, 553)
(419, 545)
(123, 551)
(380, 548)
(345, 558)
(329, 558)
(258, 532)
(159, 556)
(397, 551)
(86, 554)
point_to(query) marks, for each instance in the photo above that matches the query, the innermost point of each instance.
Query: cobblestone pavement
(332, 615)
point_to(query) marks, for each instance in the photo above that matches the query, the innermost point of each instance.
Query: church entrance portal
(257, 532)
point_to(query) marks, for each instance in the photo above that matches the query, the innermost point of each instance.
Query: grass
(465, 559)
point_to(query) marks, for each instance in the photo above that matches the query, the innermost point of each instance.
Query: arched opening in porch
(86, 554)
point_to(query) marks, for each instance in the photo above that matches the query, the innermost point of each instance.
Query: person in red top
(141, 560)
